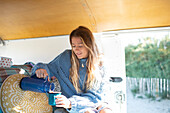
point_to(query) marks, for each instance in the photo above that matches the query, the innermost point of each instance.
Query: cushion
(13, 99)
(5, 62)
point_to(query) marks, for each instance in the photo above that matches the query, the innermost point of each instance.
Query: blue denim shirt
(59, 68)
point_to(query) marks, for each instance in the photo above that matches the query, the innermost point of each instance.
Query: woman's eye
(73, 46)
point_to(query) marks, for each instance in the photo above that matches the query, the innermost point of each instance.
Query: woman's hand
(41, 73)
(89, 111)
(62, 101)
(104, 110)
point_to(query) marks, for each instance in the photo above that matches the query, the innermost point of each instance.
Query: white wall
(34, 50)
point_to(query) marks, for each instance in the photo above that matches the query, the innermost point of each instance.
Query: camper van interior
(34, 31)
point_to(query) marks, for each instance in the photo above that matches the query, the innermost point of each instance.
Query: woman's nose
(76, 48)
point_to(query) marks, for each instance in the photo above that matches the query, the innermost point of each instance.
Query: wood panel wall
(21, 19)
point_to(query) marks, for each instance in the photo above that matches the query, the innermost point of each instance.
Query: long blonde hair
(93, 60)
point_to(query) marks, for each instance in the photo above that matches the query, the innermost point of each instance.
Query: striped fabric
(15, 69)
(0, 106)
(5, 72)
(27, 68)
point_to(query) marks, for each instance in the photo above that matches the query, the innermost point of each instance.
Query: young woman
(80, 74)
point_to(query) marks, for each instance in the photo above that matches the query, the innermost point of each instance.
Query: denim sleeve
(89, 100)
(80, 103)
(56, 64)
(50, 67)
(38, 66)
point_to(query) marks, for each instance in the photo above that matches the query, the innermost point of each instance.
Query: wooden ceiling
(20, 19)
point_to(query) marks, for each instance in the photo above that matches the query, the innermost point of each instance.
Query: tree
(150, 58)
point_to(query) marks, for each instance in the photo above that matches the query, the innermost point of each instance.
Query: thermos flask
(36, 84)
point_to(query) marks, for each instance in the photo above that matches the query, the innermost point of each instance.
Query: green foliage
(150, 58)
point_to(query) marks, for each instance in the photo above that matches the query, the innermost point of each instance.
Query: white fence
(156, 87)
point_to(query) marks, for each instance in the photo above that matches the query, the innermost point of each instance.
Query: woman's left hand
(106, 110)
(62, 101)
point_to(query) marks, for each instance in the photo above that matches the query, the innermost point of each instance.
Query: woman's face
(79, 48)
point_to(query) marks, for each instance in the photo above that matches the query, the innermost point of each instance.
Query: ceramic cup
(51, 99)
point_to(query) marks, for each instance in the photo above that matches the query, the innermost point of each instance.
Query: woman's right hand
(41, 73)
